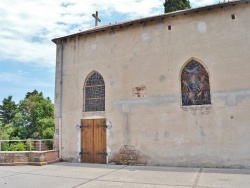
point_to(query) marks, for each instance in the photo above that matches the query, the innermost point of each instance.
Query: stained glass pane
(195, 87)
(95, 93)
(95, 105)
(95, 79)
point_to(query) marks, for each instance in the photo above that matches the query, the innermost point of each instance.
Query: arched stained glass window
(95, 93)
(195, 87)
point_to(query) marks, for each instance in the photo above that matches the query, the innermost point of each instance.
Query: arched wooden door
(93, 141)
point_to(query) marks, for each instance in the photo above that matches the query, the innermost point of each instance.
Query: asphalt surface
(69, 175)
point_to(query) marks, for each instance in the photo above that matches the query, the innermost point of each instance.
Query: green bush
(4, 146)
(29, 144)
(49, 143)
(17, 147)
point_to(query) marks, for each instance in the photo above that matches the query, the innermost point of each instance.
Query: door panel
(87, 141)
(93, 141)
(100, 141)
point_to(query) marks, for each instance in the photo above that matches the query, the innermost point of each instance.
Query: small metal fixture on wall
(107, 125)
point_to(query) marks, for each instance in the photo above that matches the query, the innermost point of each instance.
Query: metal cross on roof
(96, 18)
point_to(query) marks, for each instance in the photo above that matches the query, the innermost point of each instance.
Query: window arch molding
(94, 92)
(195, 84)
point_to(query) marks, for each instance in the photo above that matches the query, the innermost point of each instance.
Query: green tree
(5, 132)
(35, 114)
(20, 121)
(174, 5)
(7, 110)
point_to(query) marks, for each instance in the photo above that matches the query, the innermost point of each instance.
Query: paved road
(79, 175)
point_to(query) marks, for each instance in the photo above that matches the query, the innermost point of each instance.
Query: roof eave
(151, 18)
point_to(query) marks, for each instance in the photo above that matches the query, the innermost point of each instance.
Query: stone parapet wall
(27, 157)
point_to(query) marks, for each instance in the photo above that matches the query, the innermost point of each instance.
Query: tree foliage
(36, 114)
(7, 110)
(5, 131)
(174, 5)
(33, 114)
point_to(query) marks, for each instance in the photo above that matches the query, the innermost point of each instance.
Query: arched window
(195, 87)
(95, 93)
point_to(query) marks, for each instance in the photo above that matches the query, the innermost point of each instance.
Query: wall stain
(162, 78)
(112, 32)
(156, 137)
(202, 133)
(166, 134)
(125, 67)
(127, 130)
(112, 83)
(232, 98)
(160, 25)
(171, 99)
(111, 135)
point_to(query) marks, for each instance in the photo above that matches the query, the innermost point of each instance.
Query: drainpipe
(60, 103)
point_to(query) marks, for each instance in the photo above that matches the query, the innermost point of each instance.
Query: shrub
(4, 146)
(17, 147)
(29, 144)
(49, 143)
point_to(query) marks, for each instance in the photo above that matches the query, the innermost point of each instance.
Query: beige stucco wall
(148, 54)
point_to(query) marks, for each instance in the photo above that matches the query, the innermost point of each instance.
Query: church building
(171, 89)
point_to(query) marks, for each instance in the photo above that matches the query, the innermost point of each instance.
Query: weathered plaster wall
(148, 54)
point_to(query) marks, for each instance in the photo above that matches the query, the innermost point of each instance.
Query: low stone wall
(28, 157)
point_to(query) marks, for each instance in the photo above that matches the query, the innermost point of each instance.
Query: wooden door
(93, 141)
(87, 141)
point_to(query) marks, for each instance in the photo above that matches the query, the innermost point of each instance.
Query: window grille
(95, 93)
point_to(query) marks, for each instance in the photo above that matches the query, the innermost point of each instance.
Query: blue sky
(27, 55)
